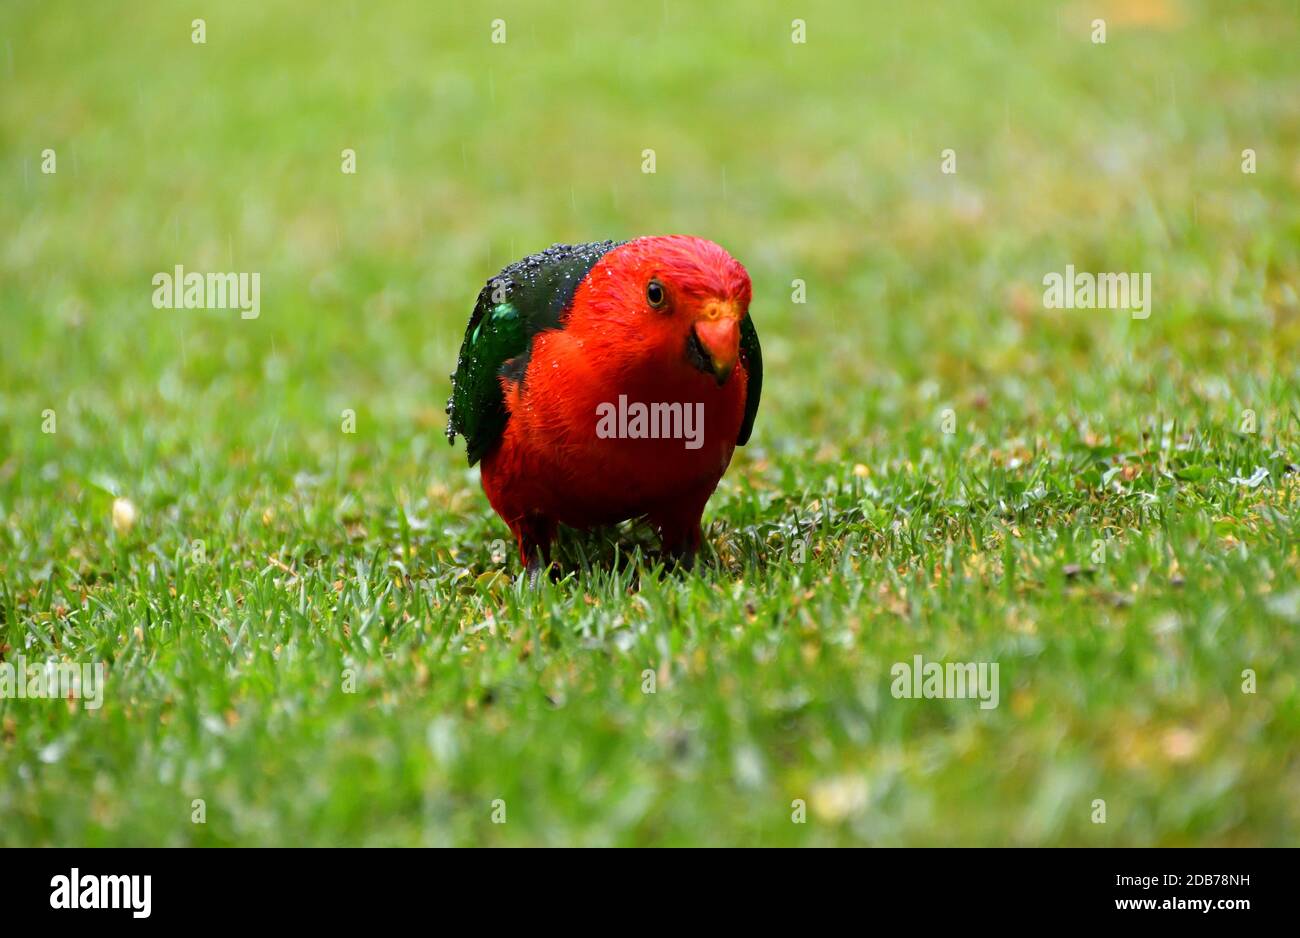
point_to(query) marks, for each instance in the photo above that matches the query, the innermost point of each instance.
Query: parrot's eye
(655, 294)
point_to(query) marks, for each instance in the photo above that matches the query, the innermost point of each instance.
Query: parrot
(605, 382)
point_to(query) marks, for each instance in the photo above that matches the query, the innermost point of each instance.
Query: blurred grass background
(816, 161)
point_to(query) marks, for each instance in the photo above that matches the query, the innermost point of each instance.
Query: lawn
(311, 629)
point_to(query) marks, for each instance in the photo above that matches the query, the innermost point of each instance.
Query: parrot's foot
(534, 570)
(681, 560)
(534, 535)
(680, 545)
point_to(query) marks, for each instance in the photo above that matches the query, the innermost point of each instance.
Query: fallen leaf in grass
(493, 581)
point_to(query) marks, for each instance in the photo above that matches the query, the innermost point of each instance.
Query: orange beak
(717, 333)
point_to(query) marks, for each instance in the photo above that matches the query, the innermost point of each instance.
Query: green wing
(528, 297)
(752, 353)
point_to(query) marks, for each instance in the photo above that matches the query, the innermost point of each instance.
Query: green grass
(330, 557)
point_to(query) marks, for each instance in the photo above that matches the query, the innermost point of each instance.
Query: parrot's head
(676, 300)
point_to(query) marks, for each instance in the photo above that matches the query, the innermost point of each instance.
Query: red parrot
(608, 381)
